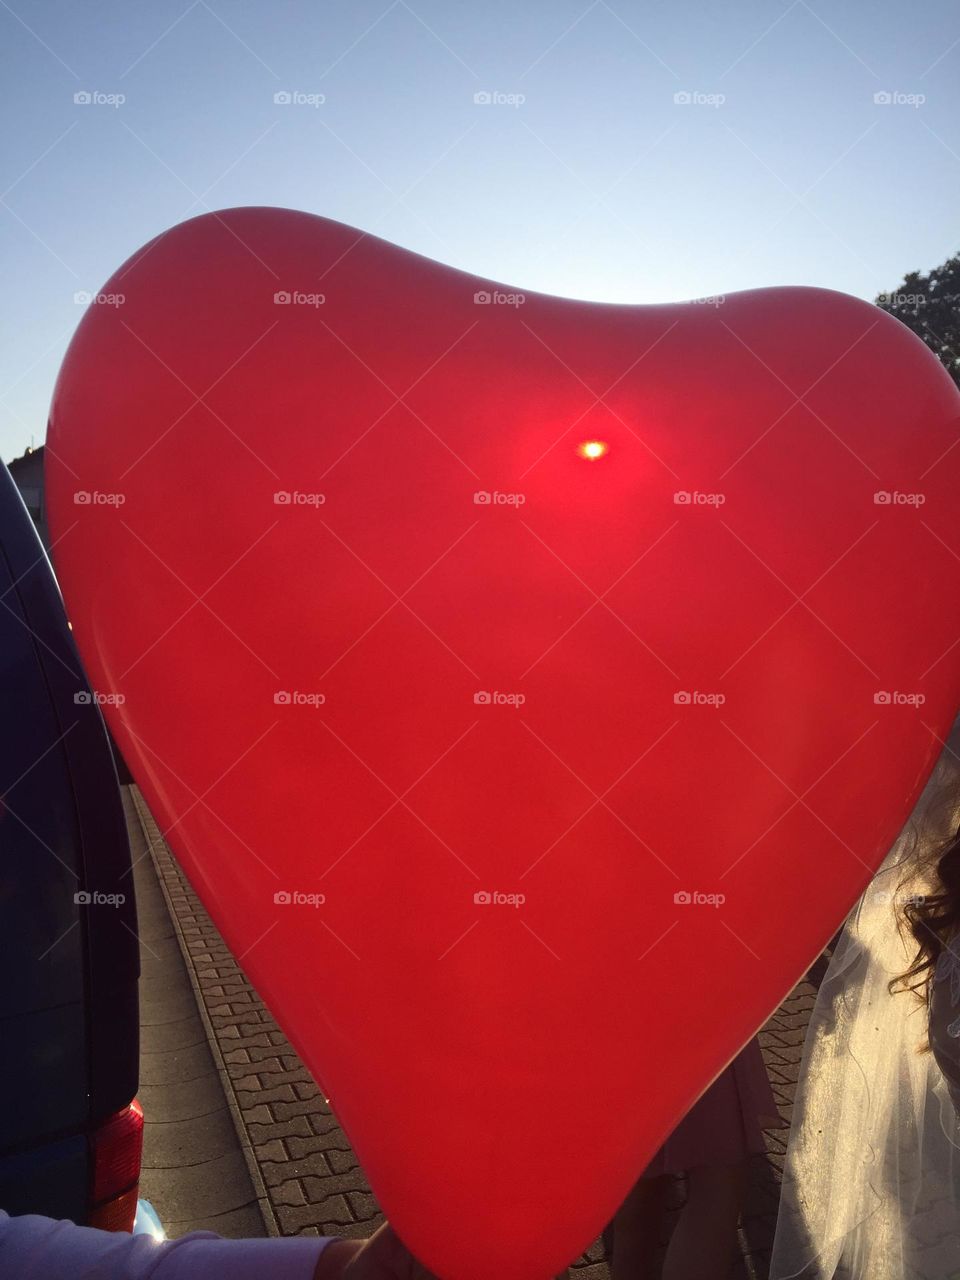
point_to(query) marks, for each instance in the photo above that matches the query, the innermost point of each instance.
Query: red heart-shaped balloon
(528, 686)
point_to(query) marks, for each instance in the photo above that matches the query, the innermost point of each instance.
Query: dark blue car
(70, 1128)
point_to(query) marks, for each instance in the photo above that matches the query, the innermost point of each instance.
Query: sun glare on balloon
(592, 449)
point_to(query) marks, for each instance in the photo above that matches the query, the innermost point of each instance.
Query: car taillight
(115, 1150)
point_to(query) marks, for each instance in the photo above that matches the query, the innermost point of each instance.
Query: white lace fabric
(871, 1186)
(945, 1017)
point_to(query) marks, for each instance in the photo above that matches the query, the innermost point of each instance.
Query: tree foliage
(930, 306)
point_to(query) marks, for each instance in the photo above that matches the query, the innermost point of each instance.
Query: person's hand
(380, 1257)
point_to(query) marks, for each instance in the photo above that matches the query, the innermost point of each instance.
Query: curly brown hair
(933, 918)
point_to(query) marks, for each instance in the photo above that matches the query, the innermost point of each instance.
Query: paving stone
(290, 1192)
(236, 1004)
(159, 1004)
(163, 952)
(335, 1139)
(322, 1120)
(246, 1018)
(306, 1089)
(270, 1075)
(185, 1034)
(193, 1168)
(267, 1053)
(259, 1114)
(357, 1230)
(174, 1102)
(302, 1107)
(263, 1132)
(274, 1174)
(176, 1065)
(334, 1184)
(257, 1042)
(179, 1143)
(152, 929)
(274, 1151)
(202, 1190)
(238, 1224)
(341, 1160)
(281, 1095)
(363, 1204)
(328, 1214)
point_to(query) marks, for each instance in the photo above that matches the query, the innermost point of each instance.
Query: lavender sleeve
(36, 1248)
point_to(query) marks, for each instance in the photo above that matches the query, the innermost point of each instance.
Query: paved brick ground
(194, 1173)
(306, 1177)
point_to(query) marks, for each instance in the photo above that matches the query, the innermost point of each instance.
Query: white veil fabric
(871, 1187)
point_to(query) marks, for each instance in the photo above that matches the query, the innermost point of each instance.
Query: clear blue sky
(597, 185)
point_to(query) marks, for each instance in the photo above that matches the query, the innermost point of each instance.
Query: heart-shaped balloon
(528, 686)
